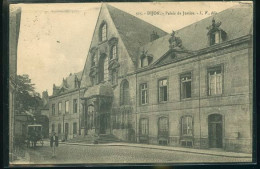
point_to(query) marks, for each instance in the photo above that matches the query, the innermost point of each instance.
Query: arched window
(103, 32)
(124, 93)
(186, 126)
(113, 54)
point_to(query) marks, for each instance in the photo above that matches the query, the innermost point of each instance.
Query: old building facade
(190, 88)
(64, 108)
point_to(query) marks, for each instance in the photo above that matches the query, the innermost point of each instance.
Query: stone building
(64, 107)
(190, 88)
(14, 27)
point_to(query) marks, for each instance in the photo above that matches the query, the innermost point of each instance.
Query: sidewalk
(217, 152)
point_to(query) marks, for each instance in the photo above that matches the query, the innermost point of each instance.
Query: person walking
(54, 142)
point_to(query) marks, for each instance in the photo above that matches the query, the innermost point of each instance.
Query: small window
(163, 90)
(59, 107)
(144, 93)
(53, 109)
(186, 86)
(186, 125)
(75, 128)
(75, 105)
(215, 81)
(103, 35)
(59, 128)
(144, 127)
(67, 107)
(113, 52)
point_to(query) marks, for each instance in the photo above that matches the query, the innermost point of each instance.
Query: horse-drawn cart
(34, 135)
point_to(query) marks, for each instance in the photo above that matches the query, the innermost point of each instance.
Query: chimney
(76, 82)
(54, 90)
(153, 36)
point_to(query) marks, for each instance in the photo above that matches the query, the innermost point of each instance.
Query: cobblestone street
(81, 154)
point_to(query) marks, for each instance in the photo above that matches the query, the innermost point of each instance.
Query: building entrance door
(66, 130)
(215, 131)
(103, 123)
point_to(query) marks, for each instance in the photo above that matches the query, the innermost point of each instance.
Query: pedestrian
(54, 142)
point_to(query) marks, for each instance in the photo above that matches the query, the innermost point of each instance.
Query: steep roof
(68, 82)
(133, 31)
(235, 21)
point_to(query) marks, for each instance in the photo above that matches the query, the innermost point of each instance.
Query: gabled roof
(68, 83)
(133, 31)
(235, 21)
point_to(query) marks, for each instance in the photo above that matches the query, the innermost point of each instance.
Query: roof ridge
(198, 22)
(133, 17)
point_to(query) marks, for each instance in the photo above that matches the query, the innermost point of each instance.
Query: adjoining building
(190, 88)
(14, 27)
(65, 107)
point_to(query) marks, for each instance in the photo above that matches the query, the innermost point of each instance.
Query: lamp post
(63, 124)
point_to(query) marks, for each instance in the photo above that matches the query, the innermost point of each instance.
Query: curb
(157, 148)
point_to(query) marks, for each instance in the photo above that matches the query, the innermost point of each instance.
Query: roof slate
(133, 31)
(235, 21)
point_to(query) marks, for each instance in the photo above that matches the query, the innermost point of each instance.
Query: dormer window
(113, 54)
(103, 32)
(216, 34)
(215, 38)
(146, 59)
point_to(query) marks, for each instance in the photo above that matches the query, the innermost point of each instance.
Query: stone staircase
(90, 139)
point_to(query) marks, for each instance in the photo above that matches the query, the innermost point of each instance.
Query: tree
(26, 96)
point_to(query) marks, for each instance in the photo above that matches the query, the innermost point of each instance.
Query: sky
(54, 39)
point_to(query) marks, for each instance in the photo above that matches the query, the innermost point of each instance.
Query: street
(73, 154)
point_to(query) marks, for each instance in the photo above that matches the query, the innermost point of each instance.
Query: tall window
(75, 105)
(215, 81)
(75, 128)
(144, 94)
(186, 126)
(67, 107)
(163, 90)
(163, 126)
(103, 32)
(59, 128)
(53, 109)
(144, 126)
(124, 92)
(103, 69)
(59, 107)
(113, 52)
(186, 86)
